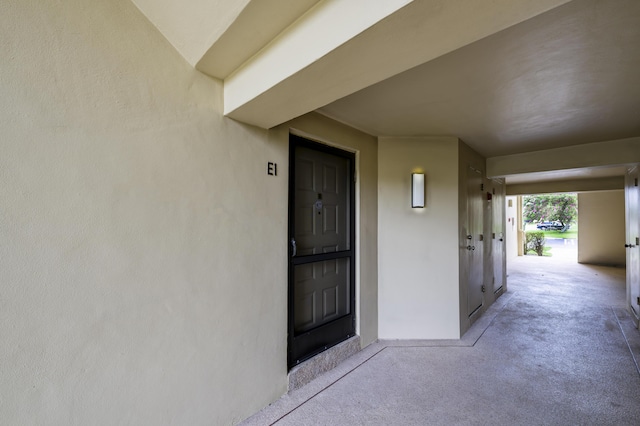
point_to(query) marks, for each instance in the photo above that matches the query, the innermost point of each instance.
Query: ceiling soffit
(565, 77)
(191, 26)
(258, 23)
(217, 36)
(339, 48)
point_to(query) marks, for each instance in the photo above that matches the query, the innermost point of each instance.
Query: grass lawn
(571, 233)
(546, 251)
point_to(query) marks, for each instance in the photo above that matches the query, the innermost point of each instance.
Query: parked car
(552, 226)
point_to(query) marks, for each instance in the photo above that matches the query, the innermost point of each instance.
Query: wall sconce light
(417, 190)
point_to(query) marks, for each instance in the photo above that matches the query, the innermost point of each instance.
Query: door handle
(294, 248)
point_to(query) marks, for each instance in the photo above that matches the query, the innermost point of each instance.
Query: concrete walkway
(564, 249)
(557, 349)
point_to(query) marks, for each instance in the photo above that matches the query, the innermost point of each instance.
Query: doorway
(321, 248)
(550, 225)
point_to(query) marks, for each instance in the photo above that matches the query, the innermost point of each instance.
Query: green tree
(551, 207)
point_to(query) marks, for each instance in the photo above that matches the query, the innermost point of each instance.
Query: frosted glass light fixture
(417, 190)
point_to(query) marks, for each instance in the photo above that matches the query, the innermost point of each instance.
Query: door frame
(314, 342)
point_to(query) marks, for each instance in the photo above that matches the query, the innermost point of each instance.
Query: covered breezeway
(533, 358)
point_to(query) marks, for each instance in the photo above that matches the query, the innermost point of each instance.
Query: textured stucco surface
(143, 267)
(137, 286)
(418, 271)
(601, 228)
(191, 27)
(511, 229)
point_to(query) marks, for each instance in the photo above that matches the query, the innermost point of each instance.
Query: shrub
(534, 241)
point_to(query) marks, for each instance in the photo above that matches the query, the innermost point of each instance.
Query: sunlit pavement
(566, 249)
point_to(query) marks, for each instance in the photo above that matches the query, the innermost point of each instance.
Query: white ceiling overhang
(592, 166)
(340, 47)
(280, 59)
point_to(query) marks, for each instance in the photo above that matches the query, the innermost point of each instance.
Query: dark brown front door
(321, 249)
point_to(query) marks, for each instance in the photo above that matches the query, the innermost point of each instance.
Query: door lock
(471, 248)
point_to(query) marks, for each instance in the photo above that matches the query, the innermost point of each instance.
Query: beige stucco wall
(192, 27)
(143, 267)
(601, 228)
(418, 248)
(511, 227)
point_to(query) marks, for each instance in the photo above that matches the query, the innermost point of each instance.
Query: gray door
(498, 212)
(475, 242)
(632, 198)
(321, 272)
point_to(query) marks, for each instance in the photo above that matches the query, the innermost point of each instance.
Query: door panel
(321, 293)
(321, 231)
(321, 204)
(498, 236)
(632, 195)
(475, 242)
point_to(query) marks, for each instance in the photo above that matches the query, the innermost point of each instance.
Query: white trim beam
(571, 185)
(599, 154)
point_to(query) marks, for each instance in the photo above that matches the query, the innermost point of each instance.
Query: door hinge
(482, 187)
(484, 289)
(638, 301)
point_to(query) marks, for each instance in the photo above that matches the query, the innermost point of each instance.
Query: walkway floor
(557, 349)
